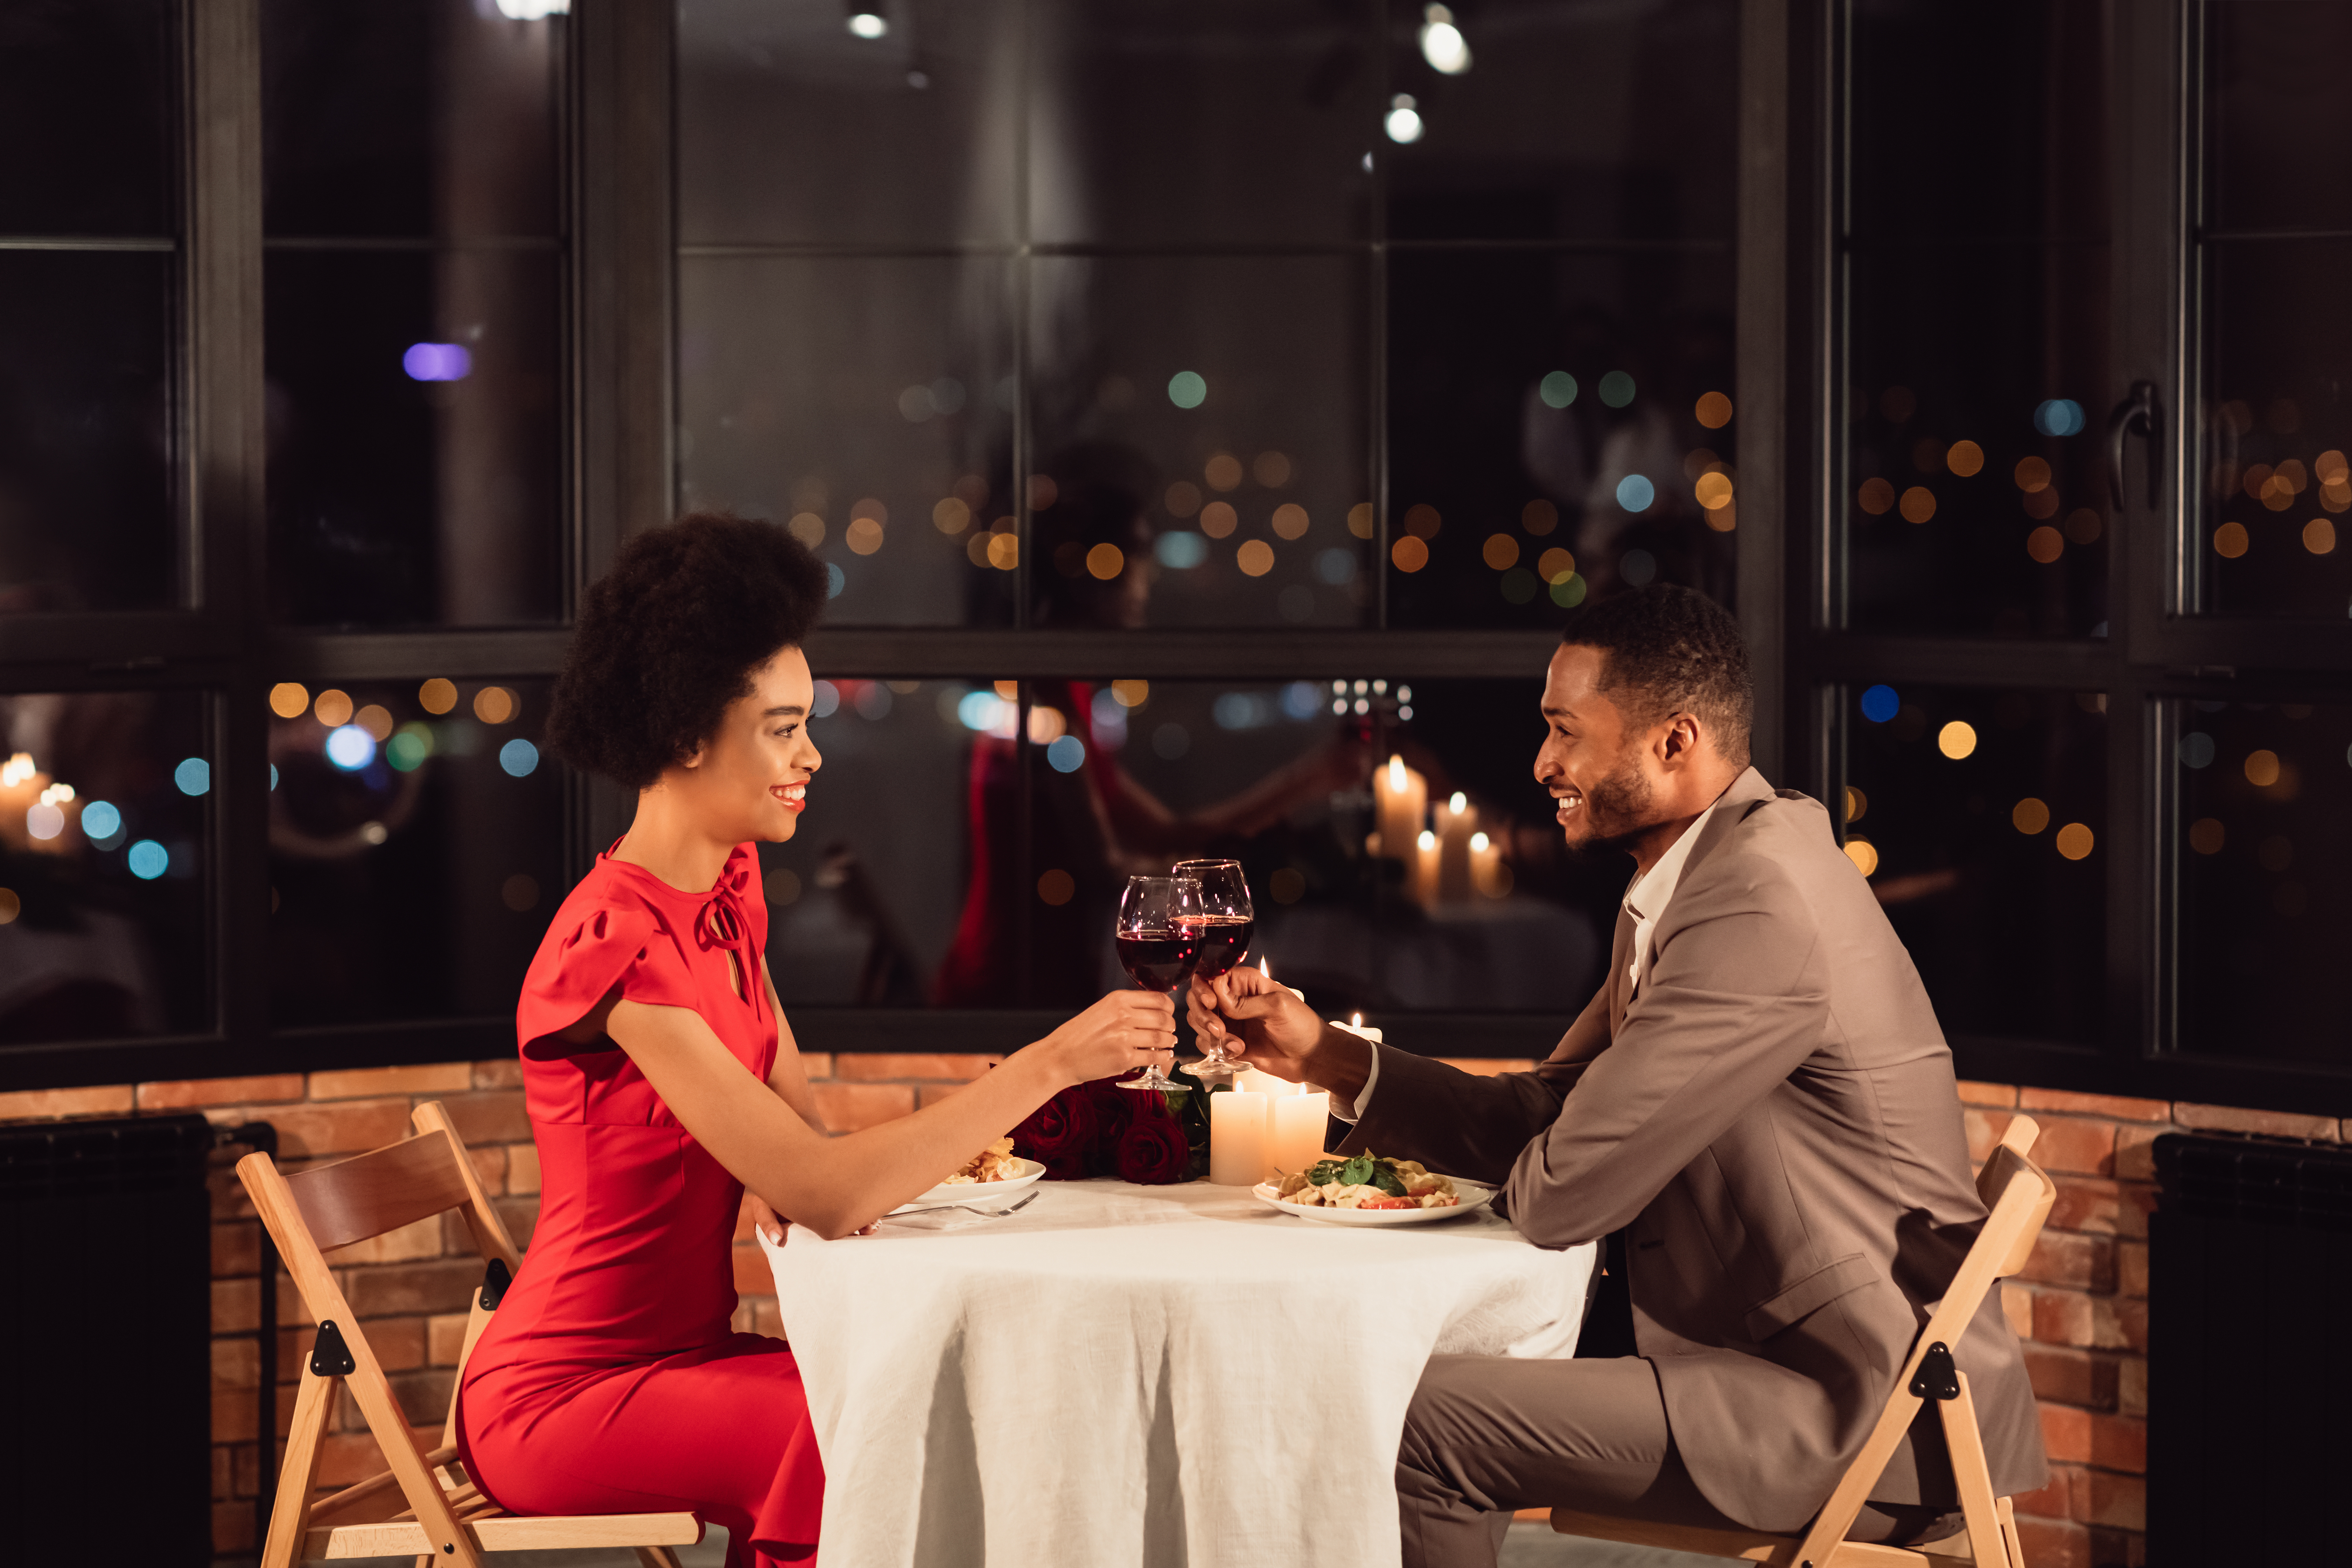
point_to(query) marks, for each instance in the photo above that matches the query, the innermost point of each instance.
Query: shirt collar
(1648, 897)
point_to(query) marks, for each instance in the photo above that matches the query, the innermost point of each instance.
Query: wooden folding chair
(2017, 1196)
(424, 1504)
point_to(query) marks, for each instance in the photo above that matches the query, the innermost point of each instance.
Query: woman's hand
(1125, 1030)
(1263, 1024)
(765, 1221)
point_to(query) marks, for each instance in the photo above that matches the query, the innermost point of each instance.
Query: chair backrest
(2008, 1164)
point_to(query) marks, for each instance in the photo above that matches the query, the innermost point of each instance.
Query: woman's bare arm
(789, 1077)
(835, 1185)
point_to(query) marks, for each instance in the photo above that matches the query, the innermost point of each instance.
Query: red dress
(609, 1381)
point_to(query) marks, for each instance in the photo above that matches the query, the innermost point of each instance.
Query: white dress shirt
(1645, 900)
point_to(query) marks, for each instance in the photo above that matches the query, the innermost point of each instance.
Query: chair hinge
(1938, 1378)
(329, 1357)
(495, 1281)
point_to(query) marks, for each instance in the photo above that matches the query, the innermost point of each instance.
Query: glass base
(1151, 1078)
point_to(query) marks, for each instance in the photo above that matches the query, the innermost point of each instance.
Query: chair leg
(298, 1475)
(1974, 1478)
(2008, 1536)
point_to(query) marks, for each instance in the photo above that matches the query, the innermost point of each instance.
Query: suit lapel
(1621, 953)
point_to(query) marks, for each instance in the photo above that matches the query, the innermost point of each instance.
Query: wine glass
(1155, 944)
(1221, 926)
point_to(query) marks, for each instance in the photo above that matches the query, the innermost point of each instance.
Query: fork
(985, 1213)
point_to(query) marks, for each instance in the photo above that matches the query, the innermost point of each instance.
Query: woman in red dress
(662, 1080)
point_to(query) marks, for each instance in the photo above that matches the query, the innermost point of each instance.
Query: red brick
(47, 1104)
(522, 1167)
(2115, 1107)
(445, 1336)
(2123, 1324)
(236, 1364)
(293, 1353)
(315, 1132)
(752, 1275)
(236, 1306)
(2066, 1433)
(1984, 1130)
(1994, 1094)
(2051, 1543)
(2070, 1376)
(349, 1457)
(2081, 1148)
(446, 1285)
(236, 1249)
(186, 1094)
(232, 1527)
(424, 1395)
(2136, 1152)
(2056, 1498)
(2275, 1124)
(494, 1116)
(2085, 1203)
(399, 1342)
(880, 1067)
(2081, 1262)
(850, 1107)
(1487, 1067)
(237, 1417)
(2119, 1548)
(504, 1073)
(247, 1478)
(2017, 1306)
(2119, 1443)
(490, 1167)
(2131, 1386)
(224, 1471)
(519, 1215)
(2062, 1317)
(2113, 1500)
(2131, 1268)
(359, 1083)
(817, 1064)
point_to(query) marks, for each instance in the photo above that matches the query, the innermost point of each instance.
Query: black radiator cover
(2250, 1385)
(105, 1319)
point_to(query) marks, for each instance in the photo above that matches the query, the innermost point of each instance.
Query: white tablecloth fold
(1142, 1377)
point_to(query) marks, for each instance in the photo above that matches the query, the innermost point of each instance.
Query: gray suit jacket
(1773, 1121)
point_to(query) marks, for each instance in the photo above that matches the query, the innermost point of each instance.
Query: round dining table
(1120, 1376)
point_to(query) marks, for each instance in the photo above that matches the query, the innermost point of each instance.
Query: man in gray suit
(1759, 1099)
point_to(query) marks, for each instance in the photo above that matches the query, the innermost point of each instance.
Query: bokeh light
(2229, 540)
(2261, 769)
(1557, 389)
(1616, 389)
(332, 708)
(1636, 493)
(1105, 562)
(1423, 522)
(1864, 854)
(101, 820)
(1919, 504)
(1256, 558)
(2058, 416)
(1569, 592)
(1501, 551)
(950, 515)
(1409, 553)
(1067, 753)
(1876, 497)
(519, 757)
(288, 700)
(495, 705)
(2032, 474)
(1218, 520)
(1964, 459)
(864, 536)
(1713, 491)
(1271, 469)
(2206, 836)
(2084, 526)
(1714, 410)
(148, 859)
(1181, 549)
(375, 720)
(1290, 521)
(1004, 550)
(1402, 121)
(1857, 804)
(1881, 703)
(1957, 739)
(2319, 536)
(408, 748)
(806, 527)
(2030, 816)
(1361, 520)
(1188, 389)
(437, 361)
(836, 580)
(2075, 841)
(194, 775)
(1223, 471)
(2195, 749)
(1336, 566)
(2046, 544)
(11, 906)
(1056, 887)
(1539, 518)
(1555, 564)
(350, 748)
(437, 695)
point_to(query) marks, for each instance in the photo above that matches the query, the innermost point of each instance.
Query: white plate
(1475, 1196)
(975, 1192)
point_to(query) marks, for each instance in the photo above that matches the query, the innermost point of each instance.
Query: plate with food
(991, 1173)
(1373, 1189)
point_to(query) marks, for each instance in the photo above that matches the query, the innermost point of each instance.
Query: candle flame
(1459, 804)
(1396, 773)
(1265, 966)
(1478, 841)
(1356, 1020)
(1428, 839)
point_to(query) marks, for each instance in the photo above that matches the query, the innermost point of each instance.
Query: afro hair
(669, 639)
(1670, 648)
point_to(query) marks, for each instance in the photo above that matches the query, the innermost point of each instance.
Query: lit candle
(1424, 885)
(1295, 1141)
(1264, 1085)
(1236, 1137)
(1486, 873)
(1454, 822)
(1400, 797)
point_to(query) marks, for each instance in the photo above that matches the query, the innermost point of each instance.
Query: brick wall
(2081, 1304)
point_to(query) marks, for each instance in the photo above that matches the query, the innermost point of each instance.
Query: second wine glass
(1156, 944)
(1222, 921)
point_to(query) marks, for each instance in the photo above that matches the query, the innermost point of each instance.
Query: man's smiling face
(1590, 762)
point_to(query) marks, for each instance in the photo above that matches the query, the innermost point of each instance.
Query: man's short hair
(1669, 649)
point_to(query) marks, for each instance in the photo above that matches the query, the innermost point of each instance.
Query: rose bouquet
(1101, 1129)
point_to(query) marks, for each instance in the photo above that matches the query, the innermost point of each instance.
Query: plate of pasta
(1373, 1189)
(991, 1173)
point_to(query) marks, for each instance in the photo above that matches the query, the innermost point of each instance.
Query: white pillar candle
(1236, 1139)
(1422, 868)
(1250, 1080)
(1399, 797)
(1456, 822)
(1486, 873)
(1295, 1140)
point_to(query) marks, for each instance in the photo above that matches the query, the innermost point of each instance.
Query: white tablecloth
(1142, 1377)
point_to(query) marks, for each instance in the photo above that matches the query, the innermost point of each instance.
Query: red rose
(1153, 1153)
(1061, 1135)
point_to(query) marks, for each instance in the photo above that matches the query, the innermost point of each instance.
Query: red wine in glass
(1220, 942)
(1159, 959)
(1221, 920)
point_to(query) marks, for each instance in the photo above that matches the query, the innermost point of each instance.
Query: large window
(2079, 658)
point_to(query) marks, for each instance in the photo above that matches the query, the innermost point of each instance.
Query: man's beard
(1617, 807)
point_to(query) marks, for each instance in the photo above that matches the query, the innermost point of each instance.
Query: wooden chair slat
(513, 1533)
(370, 1194)
(1737, 1546)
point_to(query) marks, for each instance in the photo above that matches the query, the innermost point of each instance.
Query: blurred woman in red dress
(662, 1080)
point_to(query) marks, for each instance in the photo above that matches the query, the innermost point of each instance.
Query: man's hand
(1262, 1024)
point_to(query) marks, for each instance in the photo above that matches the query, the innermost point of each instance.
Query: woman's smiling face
(752, 776)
